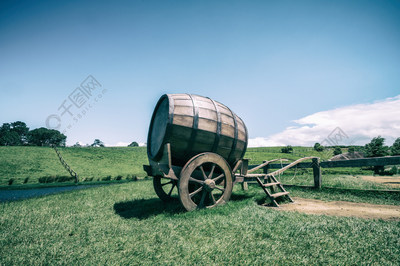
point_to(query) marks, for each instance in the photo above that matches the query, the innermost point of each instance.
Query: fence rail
(65, 164)
(316, 165)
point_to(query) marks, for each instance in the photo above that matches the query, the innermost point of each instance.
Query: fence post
(317, 173)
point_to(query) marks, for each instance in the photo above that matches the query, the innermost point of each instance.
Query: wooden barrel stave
(195, 124)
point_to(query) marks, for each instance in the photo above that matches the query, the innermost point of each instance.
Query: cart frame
(197, 185)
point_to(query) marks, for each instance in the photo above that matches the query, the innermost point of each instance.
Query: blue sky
(274, 63)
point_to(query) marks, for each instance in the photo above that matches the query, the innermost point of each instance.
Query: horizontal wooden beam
(377, 161)
(278, 165)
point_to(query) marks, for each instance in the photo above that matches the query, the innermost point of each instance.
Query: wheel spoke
(173, 186)
(203, 197)
(212, 197)
(219, 188)
(195, 192)
(191, 179)
(170, 182)
(218, 177)
(212, 171)
(202, 171)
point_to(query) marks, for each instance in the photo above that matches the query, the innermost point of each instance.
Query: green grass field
(128, 224)
(31, 163)
(90, 163)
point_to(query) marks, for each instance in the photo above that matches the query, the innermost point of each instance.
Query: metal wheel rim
(164, 188)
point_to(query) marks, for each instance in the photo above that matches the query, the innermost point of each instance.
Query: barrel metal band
(195, 126)
(168, 130)
(236, 137)
(171, 109)
(218, 133)
(247, 138)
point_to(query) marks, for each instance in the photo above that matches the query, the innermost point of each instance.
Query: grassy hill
(28, 164)
(90, 163)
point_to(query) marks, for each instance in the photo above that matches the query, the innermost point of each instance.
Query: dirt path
(393, 181)
(343, 208)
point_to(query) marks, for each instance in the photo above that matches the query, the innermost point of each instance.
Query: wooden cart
(196, 146)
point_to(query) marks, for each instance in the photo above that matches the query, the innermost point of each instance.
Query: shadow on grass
(145, 208)
(241, 196)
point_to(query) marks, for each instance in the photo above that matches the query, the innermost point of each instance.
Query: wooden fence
(316, 165)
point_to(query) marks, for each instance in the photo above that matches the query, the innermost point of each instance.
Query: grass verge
(127, 224)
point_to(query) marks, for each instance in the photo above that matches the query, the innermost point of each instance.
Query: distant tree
(46, 137)
(77, 145)
(376, 148)
(21, 129)
(337, 151)
(133, 144)
(395, 149)
(351, 149)
(13, 134)
(97, 143)
(7, 136)
(287, 149)
(318, 147)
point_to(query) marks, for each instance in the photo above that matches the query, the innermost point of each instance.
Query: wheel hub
(209, 184)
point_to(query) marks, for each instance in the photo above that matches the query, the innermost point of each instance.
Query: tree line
(19, 134)
(376, 148)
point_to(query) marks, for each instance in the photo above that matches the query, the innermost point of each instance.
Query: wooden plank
(279, 166)
(378, 161)
(279, 194)
(271, 184)
(264, 164)
(291, 165)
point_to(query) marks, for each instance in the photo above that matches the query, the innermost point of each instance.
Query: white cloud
(118, 144)
(123, 144)
(360, 123)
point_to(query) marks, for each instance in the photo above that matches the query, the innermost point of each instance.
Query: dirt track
(393, 181)
(343, 208)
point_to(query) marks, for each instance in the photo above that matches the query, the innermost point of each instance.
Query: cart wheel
(205, 182)
(164, 188)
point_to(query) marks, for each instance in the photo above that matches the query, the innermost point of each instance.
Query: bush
(26, 180)
(118, 177)
(394, 170)
(352, 149)
(55, 179)
(337, 151)
(133, 144)
(131, 177)
(287, 149)
(107, 178)
(10, 181)
(318, 147)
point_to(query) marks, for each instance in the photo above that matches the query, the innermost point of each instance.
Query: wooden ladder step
(279, 194)
(271, 184)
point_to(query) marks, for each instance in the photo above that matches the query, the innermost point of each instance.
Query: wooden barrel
(194, 124)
